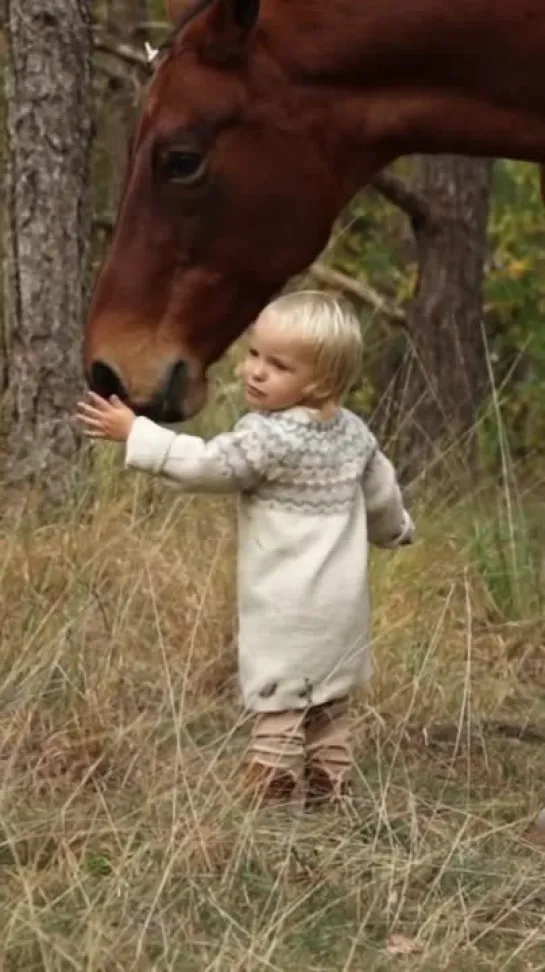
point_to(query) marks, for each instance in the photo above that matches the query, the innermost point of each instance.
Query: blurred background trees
(433, 388)
(488, 218)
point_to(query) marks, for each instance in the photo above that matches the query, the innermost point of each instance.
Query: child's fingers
(92, 421)
(85, 412)
(100, 403)
(84, 406)
(97, 430)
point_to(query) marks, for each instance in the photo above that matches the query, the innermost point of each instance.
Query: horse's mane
(193, 10)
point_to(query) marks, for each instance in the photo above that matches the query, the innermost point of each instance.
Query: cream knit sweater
(313, 494)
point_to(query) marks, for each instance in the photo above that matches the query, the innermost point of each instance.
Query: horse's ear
(225, 28)
(175, 9)
(245, 13)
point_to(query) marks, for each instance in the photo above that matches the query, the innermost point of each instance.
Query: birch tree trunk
(47, 229)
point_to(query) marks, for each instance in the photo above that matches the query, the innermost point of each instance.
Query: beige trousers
(305, 741)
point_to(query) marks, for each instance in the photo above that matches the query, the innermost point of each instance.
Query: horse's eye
(183, 166)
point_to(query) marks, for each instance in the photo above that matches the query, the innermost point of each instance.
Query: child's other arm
(388, 523)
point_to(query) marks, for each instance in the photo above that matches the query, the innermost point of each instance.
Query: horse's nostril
(105, 381)
(176, 386)
(164, 405)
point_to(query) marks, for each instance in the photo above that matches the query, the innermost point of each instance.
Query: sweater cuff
(407, 533)
(148, 445)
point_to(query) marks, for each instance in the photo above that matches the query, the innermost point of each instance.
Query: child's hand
(105, 419)
(407, 536)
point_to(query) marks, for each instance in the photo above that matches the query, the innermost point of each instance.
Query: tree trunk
(444, 374)
(47, 229)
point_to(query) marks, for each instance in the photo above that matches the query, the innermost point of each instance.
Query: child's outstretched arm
(388, 523)
(230, 462)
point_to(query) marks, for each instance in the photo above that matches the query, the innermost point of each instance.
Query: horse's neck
(423, 75)
(423, 41)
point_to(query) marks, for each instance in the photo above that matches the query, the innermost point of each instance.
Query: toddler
(314, 489)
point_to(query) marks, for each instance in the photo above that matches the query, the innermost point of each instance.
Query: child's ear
(312, 391)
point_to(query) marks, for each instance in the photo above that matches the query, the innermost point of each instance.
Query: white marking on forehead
(151, 52)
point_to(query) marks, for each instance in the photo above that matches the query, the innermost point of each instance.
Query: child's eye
(279, 365)
(252, 352)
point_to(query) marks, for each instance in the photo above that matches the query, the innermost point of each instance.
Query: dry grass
(125, 843)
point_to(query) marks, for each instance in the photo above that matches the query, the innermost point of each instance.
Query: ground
(125, 842)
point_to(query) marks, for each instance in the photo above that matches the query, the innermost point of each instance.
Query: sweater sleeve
(233, 461)
(388, 523)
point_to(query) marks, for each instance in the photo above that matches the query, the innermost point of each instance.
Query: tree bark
(444, 375)
(47, 229)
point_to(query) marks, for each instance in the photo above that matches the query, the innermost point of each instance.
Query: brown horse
(259, 124)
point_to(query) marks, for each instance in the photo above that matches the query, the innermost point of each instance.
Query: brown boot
(323, 789)
(268, 784)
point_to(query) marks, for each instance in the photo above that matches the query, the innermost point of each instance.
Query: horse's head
(232, 186)
(259, 123)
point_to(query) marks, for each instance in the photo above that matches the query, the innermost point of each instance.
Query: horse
(261, 120)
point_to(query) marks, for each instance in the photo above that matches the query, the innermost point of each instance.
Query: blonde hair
(327, 328)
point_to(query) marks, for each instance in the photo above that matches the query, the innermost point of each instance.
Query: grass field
(125, 843)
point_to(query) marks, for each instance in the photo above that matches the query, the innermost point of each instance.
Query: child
(314, 490)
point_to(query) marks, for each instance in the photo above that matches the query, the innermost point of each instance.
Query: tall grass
(126, 841)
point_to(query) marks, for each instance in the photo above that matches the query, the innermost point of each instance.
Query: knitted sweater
(313, 494)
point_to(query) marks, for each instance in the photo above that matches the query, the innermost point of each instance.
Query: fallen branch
(125, 52)
(437, 733)
(104, 224)
(398, 192)
(148, 25)
(117, 70)
(359, 289)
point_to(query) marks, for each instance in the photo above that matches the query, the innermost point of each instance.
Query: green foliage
(506, 547)
(515, 301)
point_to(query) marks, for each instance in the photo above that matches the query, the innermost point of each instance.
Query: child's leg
(328, 751)
(276, 754)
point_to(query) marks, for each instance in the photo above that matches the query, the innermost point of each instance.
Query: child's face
(276, 373)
